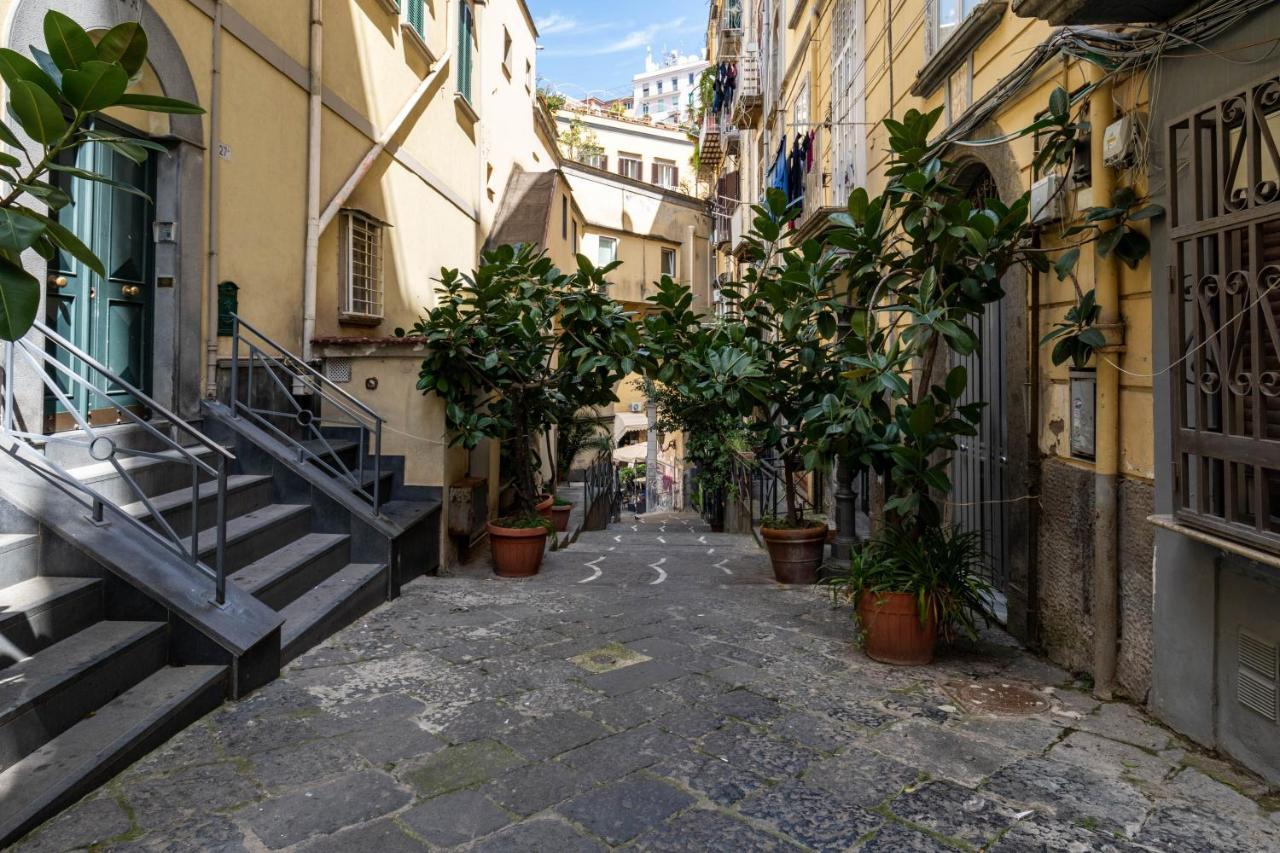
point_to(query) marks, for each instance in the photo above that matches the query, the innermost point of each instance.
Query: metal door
(978, 471)
(109, 317)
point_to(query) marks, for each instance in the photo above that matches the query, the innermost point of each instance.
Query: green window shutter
(465, 31)
(417, 14)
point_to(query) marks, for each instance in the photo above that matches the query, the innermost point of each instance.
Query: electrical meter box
(1046, 199)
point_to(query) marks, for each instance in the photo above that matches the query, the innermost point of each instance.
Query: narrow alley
(654, 689)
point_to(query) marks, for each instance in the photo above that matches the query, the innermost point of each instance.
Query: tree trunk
(794, 514)
(523, 459)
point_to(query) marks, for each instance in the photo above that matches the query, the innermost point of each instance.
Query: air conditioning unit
(1046, 199)
(637, 408)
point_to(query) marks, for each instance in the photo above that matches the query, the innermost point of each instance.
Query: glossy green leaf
(73, 245)
(156, 104)
(19, 300)
(125, 44)
(18, 230)
(68, 43)
(38, 114)
(94, 86)
(14, 68)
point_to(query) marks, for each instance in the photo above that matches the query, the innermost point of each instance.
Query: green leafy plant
(54, 100)
(1075, 335)
(514, 346)
(944, 569)
(576, 434)
(580, 143)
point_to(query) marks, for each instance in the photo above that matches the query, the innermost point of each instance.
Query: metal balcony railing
(265, 363)
(721, 225)
(710, 150)
(747, 96)
(67, 373)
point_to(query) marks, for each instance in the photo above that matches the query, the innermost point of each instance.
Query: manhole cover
(608, 658)
(997, 697)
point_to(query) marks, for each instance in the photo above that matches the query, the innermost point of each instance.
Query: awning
(628, 422)
(631, 454)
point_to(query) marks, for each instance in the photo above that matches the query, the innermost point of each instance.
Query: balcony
(730, 28)
(747, 100)
(740, 224)
(816, 204)
(721, 226)
(710, 148)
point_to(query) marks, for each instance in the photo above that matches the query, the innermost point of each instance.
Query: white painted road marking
(722, 567)
(710, 551)
(702, 540)
(635, 527)
(618, 538)
(663, 541)
(657, 568)
(596, 570)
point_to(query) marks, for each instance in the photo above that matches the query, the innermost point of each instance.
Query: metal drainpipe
(315, 107)
(1107, 422)
(215, 199)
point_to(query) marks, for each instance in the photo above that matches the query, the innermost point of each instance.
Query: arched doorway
(132, 319)
(980, 469)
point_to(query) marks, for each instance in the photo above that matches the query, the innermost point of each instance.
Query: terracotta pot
(544, 505)
(517, 552)
(796, 554)
(892, 629)
(560, 516)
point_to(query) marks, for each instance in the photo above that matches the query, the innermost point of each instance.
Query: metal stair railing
(266, 361)
(601, 481)
(762, 488)
(63, 380)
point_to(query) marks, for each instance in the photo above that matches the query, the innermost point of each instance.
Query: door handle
(131, 290)
(57, 281)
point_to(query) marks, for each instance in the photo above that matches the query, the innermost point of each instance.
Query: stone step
(245, 493)
(284, 575)
(331, 605)
(37, 613)
(127, 435)
(165, 471)
(46, 694)
(253, 535)
(19, 557)
(95, 749)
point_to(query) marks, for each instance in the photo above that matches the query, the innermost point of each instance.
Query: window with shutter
(415, 12)
(466, 41)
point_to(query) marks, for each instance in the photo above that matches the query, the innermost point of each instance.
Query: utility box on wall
(1083, 419)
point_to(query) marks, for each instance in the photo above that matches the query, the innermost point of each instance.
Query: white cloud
(556, 23)
(631, 41)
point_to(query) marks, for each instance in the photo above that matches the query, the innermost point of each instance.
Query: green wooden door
(110, 318)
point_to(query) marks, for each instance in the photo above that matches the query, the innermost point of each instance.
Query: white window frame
(962, 10)
(675, 262)
(361, 294)
(849, 106)
(612, 244)
(667, 173)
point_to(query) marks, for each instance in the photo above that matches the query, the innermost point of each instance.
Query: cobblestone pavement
(654, 690)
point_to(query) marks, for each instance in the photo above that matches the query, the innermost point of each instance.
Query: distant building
(667, 92)
(638, 150)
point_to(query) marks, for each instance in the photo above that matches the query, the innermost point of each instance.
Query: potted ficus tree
(923, 262)
(509, 349)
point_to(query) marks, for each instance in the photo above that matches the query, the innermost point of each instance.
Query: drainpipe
(215, 198)
(1107, 412)
(315, 107)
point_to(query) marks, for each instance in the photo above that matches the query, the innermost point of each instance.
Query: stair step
(39, 612)
(18, 553)
(181, 498)
(282, 576)
(330, 606)
(98, 471)
(46, 694)
(95, 749)
(255, 534)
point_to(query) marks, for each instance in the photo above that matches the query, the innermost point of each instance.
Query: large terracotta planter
(516, 552)
(544, 505)
(796, 554)
(560, 516)
(892, 632)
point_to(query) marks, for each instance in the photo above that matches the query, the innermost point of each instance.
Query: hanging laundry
(809, 141)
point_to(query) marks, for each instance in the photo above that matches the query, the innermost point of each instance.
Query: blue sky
(594, 47)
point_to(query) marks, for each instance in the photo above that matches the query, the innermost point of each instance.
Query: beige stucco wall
(633, 137)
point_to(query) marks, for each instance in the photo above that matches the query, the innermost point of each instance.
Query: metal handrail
(355, 414)
(762, 487)
(601, 480)
(81, 373)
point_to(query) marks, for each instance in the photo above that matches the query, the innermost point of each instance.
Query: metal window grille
(416, 14)
(362, 264)
(846, 72)
(1224, 229)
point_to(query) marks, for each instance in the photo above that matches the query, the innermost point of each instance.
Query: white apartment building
(667, 91)
(634, 149)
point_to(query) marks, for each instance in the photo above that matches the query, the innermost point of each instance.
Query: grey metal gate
(978, 471)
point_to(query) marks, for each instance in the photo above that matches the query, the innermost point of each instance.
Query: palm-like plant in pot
(510, 349)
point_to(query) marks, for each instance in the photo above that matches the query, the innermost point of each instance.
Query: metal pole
(377, 467)
(235, 364)
(220, 563)
(8, 385)
(846, 512)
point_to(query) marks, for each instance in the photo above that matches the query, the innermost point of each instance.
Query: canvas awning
(631, 454)
(628, 422)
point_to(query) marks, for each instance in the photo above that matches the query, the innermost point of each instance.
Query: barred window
(361, 265)
(1224, 227)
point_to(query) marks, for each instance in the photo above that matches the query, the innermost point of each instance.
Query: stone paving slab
(726, 713)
